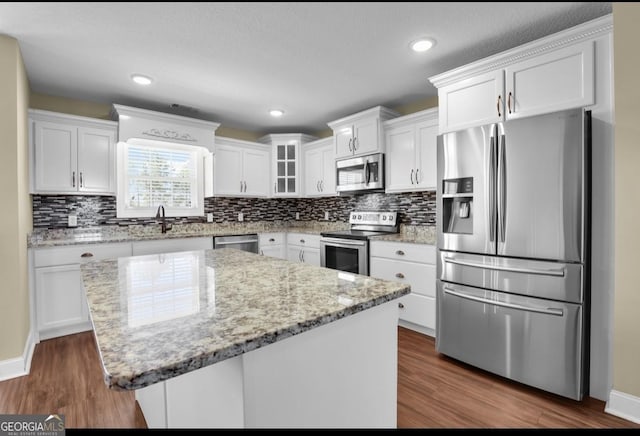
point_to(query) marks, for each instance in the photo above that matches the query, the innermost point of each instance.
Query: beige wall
(15, 219)
(626, 327)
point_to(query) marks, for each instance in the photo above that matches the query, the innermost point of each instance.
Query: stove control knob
(359, 217)
(390, 217)
(353, 216)
(384, 217)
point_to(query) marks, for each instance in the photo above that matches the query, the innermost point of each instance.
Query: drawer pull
(86, 255)
(400, 275)
(302, 241)
(400, 253)
(272, 240)
(401, 306)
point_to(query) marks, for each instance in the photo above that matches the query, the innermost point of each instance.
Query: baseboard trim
(19, 366)
(624, 406)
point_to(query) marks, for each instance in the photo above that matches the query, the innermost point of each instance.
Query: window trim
(122, 211)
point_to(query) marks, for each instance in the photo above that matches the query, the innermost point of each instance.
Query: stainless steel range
(348, 250)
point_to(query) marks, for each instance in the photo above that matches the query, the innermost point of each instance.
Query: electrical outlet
(240, 217)
(297, 215)
(209, 217)
(326, 215)
(72, 221)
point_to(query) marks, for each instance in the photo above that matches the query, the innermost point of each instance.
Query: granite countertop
(159, 316)
(109, 234)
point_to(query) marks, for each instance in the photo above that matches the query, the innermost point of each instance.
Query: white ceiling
(230, 62)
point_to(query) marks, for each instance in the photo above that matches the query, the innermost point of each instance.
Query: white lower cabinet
(413, 264)
(171, 245)
(272, 244)
(303, 247)
(60, 301)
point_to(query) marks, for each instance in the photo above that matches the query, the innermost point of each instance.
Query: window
(153, 173)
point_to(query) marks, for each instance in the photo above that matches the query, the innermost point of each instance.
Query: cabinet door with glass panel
(286, 163)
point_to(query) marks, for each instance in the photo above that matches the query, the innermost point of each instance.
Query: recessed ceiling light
(276, 113)
(422, 44)
(141, 80)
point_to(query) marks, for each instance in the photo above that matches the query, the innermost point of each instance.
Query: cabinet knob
(417, 169)
(400, 253)
(401, 306)
(272, 240)
(302, 241)
(509, 102)
(400, 275)
(498, 105)
(350, 140)
(411, 176)
(86, 254)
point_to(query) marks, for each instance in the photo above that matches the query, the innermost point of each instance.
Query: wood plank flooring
(434, 391)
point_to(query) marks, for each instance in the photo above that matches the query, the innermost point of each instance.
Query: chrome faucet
(163, 224)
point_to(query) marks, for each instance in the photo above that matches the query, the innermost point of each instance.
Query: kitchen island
(226, 338)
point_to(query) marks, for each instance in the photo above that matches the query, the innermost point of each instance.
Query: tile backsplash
(415, 208)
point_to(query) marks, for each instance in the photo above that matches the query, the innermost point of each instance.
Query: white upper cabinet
(548, 75)
(71, 154)
(241, 168)
(286, 180)
(319, 168)
(361, 133)
(551, 82)
(411, 152)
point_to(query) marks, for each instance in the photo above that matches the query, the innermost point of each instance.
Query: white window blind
(152, 173)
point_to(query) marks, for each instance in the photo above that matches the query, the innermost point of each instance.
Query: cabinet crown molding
(381, 112)
(430, 114)
(76, 120)
(299, 138)
(589, 30)
(119, 110)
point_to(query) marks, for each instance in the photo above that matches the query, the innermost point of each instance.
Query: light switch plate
(209, 217)
(297, 215)
(326, 215)
(240, 217)
(72, 221)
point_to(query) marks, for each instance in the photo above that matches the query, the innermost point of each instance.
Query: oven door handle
(338, 242)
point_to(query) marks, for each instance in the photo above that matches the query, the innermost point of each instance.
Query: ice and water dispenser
(457, 205)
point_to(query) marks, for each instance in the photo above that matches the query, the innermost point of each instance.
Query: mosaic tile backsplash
(414, 208)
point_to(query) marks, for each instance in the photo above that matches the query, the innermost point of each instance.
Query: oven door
(349, 255)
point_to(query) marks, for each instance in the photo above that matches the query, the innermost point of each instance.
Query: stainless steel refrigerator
(513, 249)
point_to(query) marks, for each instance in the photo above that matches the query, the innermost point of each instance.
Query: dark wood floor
(433, 392)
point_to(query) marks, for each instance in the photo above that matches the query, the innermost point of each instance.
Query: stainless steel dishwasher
(240, 242)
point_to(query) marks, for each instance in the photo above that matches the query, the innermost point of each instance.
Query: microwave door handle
(367, 173)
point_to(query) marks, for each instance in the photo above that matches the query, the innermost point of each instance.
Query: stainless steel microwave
(364, 173)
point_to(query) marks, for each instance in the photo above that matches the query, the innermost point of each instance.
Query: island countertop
(159, 316)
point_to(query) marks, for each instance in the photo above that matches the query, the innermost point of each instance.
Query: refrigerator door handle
(542, 272)
(492, 187)
(547, 311)
(501, 188)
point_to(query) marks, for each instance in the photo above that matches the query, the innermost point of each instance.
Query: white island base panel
(339, 375)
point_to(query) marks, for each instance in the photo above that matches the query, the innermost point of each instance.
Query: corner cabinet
(241, 168)
(71, 154)
(286, 180)
(360, 133)
(319, 168)
(411, 152)
(537, 78)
